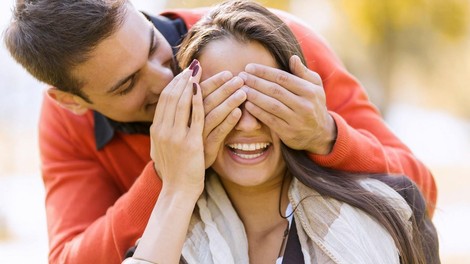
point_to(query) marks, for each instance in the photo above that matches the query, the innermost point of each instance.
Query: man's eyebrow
(126, 79)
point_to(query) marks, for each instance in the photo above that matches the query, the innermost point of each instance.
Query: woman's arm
(164, 236)
(179, 160)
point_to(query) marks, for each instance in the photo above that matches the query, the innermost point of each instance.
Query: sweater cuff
(350, 151)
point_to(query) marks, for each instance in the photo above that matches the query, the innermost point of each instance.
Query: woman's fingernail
(194, 88)
(193, 63)
(195, 70)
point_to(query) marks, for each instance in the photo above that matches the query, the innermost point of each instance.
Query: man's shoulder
(55, 120)
(189, 16)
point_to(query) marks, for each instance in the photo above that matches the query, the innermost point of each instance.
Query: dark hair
(255, 23)
(50, 37)
(247, 21)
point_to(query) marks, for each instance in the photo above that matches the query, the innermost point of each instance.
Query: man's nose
(158, 76)
(247, 121)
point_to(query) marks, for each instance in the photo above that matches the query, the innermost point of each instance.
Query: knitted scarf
(329, 231)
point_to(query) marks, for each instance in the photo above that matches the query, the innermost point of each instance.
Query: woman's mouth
(249, 151)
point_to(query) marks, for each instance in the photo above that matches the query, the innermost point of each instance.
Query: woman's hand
(176, 134)
(292, 105)
(222, 97)
(178, 154)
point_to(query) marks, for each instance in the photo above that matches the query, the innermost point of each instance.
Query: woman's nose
(247, 121)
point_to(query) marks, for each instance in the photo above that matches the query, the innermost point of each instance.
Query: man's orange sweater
(98, 201)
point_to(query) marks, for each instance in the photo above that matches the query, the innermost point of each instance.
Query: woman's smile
(249, 153)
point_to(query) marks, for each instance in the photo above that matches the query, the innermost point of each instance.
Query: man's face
(126, 72)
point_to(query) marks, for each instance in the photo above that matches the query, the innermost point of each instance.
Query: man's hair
(51, 37)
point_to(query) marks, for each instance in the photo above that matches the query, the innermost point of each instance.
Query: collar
(105, 128)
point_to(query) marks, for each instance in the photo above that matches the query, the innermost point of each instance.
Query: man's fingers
(270, 89)
(275, 123)
(300, 70)
(269, 104)
(291, 82)
(271, 74)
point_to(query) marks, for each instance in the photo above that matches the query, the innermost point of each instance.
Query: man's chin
(142, 120)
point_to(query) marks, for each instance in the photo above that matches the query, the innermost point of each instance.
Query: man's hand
(292, 105)
(222, 97)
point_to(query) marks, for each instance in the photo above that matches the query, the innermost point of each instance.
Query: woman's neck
(258, 207)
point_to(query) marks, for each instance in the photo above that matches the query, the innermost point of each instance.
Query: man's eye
(129, 87)
(153, 49)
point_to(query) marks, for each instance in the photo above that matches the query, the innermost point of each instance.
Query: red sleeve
(364, 142)
(91, 217)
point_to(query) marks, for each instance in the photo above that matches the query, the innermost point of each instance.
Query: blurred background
(413, 57)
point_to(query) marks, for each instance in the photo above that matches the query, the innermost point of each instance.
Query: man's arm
(93, 213)
(364, 143)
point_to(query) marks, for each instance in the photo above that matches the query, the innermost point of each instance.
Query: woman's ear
(69, 101)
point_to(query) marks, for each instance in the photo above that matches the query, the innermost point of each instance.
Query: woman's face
(251, 154)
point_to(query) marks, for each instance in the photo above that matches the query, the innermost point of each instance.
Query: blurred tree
(412, 28)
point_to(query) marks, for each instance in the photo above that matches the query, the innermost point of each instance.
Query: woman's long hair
(246, 22)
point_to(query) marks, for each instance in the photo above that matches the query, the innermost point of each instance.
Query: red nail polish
(194, 88)
(193, 63)
(195, 70)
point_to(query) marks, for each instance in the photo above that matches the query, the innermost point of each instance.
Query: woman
(262, 202)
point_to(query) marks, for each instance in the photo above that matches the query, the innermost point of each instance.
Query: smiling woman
(252, 152)
(262, 198)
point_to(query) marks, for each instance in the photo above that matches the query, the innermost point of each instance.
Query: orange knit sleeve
(364, 142)
(91, 216)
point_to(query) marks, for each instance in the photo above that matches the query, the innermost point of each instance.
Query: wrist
(178, 193)
(327, 140)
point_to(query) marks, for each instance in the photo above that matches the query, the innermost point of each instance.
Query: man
(106, 65)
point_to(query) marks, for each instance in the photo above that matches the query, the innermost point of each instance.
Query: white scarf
(329, 231)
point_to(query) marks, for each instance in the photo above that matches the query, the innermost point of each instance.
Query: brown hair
(50, 37)
(255, 23)
(247, 21)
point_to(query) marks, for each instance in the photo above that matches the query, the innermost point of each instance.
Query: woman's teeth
(248, 151)
(248, 156)
(249, 147)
